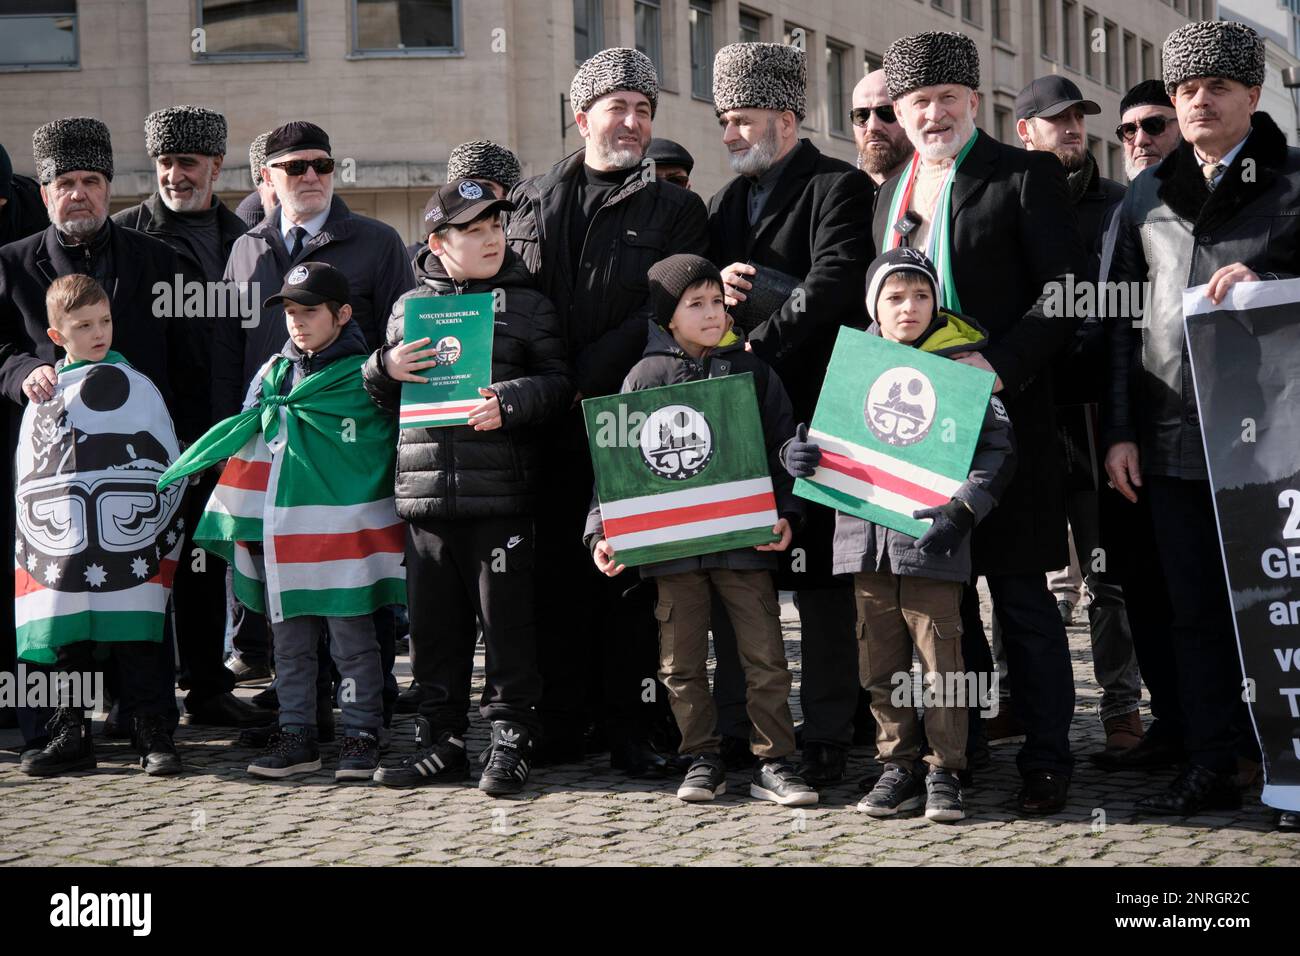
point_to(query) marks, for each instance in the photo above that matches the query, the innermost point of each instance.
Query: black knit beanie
(671, 277)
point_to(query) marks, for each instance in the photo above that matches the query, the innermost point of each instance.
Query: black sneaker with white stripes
(440, 761)
(506, 759)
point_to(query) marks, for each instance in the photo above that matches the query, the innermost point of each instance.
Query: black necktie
(299, 234)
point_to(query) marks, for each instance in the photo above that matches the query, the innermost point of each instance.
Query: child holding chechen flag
(901, 437)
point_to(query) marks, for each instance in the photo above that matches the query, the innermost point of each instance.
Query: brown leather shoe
(1123, 732)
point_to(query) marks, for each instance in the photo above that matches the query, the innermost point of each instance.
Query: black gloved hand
(801, 456)
(952, 522)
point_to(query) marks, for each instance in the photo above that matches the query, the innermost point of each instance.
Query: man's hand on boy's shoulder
(39, 384)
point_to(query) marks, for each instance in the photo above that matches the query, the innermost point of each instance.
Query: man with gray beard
(589, 230)
(883, 147)
(791, 234)
(188, 145)
(74, 165)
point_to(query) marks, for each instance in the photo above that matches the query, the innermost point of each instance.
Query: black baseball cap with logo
(311, 283)
(461, 201)
(1049, 96)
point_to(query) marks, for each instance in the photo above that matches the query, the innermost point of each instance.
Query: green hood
(948, 333)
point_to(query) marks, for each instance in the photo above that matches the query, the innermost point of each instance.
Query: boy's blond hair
(69, 293)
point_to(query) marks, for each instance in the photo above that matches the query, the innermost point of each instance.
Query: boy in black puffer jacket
(468, 495)
(692, 339)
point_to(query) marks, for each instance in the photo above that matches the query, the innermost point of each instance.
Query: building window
(1098, 151)
(1115, 161)
(837, 104)
(1047, 28)
(1001, 19)
(1111, 56)
(701, 19)
(647, 17)
(1001, 123)
(871, 62)
(251, 28)
(394, 27)
(588, 29)
(751, 27)
(38, 34)
(1070, 38)
(944, 5)
(972, 11)
(1091, 58)
(1148, 61)
(1130, 60)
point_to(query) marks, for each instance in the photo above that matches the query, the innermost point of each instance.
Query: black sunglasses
(297, 167)
(861, 115)
(1151, 125)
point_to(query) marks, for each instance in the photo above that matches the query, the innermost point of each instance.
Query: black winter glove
(952, 522)
(801, 456)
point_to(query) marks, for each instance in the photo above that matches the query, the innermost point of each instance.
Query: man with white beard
(589, 229)
(883, 147)
(791, 234)
(1148, 127)
(188, 145)
(997, 223)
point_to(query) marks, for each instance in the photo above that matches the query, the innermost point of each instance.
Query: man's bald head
(882, 146)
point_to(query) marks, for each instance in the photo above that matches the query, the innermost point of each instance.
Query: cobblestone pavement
(586, 815)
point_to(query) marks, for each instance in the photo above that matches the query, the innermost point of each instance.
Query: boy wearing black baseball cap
(908, 590)
(468, 495)
(318, 317)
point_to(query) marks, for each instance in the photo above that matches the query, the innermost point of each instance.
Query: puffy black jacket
(1175, 234)
(666, 363)
(455, 471)
(602, 300)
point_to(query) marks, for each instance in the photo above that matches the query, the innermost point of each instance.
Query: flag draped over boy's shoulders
(96, 542)
(309, 483)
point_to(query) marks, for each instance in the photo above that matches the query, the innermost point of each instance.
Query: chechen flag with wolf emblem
(97, 543)
(897, 428)
(681, 470)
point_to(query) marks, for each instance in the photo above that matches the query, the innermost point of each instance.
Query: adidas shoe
(506, 759)
(437, 761)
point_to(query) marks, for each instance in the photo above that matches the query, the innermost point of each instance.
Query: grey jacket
(1175, 234)
(862, 545)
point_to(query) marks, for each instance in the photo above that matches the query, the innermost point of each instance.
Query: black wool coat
(603, 299)
(162, 348)
(815, 227)
(1014, 233)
